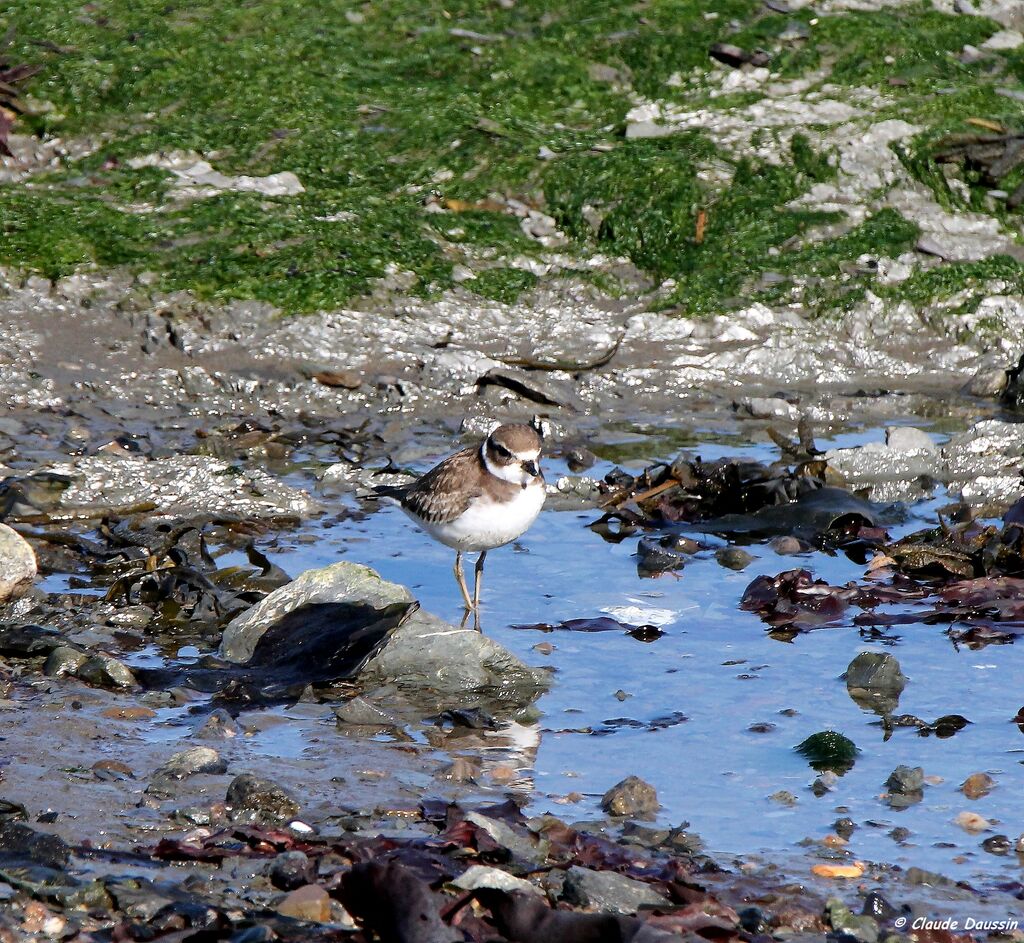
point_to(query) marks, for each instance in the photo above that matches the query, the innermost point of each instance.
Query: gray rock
(631, 796)
(106, 671)
(520, 846)
(64, 660)
(219, 725)
(480, 876)
(859, 926)
(20, 841)
(647, 129)
(361, 712)
(765, 407)
(536, 387)
(252, 793)
(875, 682)
(17, 564)
(425, 655)
(182, 484)
(987, 382)
(785, 545)
(608, 891)
(290, 870)
(905, 779)
(989, 448)
(339, 582)
(909, 439)
(984, 463)
(734, 558)
(190, 762)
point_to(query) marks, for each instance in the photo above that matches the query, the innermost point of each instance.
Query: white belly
(486, 525)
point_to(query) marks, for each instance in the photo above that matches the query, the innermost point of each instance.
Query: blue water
(719, 667)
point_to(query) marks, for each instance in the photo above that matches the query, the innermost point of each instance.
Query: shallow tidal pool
(679, 711)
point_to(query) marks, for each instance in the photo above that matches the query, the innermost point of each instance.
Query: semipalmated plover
(478, 499)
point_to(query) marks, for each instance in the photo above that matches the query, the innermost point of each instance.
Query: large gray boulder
(424, 656)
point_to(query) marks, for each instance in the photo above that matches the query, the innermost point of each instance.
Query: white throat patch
(513, 474)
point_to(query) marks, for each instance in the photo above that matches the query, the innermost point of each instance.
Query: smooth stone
(64, 660)
(193, 761)
(18, 568)
(105, 671)
(909, 439)
(310, 903)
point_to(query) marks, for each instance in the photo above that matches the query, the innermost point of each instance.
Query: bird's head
(512, 453)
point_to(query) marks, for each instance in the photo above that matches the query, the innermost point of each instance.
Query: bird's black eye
(501, 450)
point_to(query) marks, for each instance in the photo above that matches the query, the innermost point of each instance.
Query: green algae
(386, 112)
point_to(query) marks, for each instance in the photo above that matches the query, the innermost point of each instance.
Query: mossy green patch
(502, 284)
(952, 278)
(387, 111)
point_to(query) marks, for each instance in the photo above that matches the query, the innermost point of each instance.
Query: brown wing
(442, 494)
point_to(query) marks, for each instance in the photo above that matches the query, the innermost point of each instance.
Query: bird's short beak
(531, 469)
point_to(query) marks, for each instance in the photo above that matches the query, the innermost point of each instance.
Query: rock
(986, 461)
(480, 876)
(260, 795)
(218, 725)
(190, 762)
(760, 407)
(25, 640)
(977, 785)
(339, 582)
(859, 926)
(532, 385)
(632, 796)
(659, 555)
(972, 822)
(783, 797)
(734, 558)
(106, 671)
(310, 903)
(787, 546)
(824, 783)
(906, 779)
(605, 891)
(183, 485)
(1003, 40)
(987, 383)
(291, 870)
(64, 660)
(909, 439)
(362, 712)
(24, 842)
(17, 565)
(424, 654)
(919, 876)
(517, 844)
(875, 682)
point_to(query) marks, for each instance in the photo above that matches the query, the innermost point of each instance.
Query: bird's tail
(396, 492)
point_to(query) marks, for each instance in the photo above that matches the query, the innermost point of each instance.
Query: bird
(478, 499)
